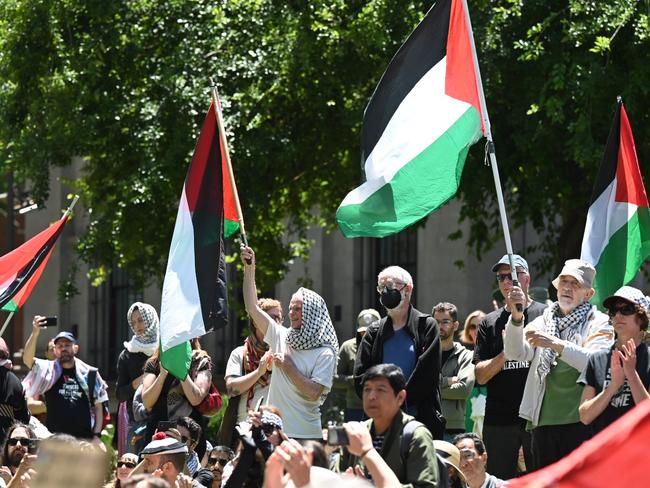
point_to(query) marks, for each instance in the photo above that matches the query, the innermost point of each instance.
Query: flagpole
(231, 174)
(490, 149)
(65, 215)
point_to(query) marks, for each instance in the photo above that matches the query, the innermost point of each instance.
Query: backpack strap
(92, 379)
(407, 437)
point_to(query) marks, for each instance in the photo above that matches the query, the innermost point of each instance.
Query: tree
(125, 86)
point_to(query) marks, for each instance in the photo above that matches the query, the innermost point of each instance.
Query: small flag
(21, 268)
(418, 127)
(194, 296)
(617, 234)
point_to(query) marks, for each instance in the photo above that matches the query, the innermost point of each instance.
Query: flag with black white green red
(21, 268)
(617, 233)
(418, 127)
(194, 295)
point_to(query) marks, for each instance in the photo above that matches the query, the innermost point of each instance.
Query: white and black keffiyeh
(316, 329)
(565, 327)
(148, 341)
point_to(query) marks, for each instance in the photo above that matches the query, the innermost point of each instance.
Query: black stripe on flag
(424, 48)
(209, 259)
(607, 171)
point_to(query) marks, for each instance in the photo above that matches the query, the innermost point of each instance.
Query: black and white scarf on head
(565, 327)
(148, 342)
(316, 329)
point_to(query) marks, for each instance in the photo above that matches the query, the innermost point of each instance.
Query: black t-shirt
(68, 408)
(506, 388)
(598, 374)
(445, 355)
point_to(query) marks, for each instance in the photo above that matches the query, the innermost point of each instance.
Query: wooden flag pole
(65, 215)
(224, 145)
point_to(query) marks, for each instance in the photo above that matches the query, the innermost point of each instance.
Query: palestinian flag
(194, 295)
(617, 234)
(21, 268)
(417, 128)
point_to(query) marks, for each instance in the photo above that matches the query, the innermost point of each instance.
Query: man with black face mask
(409, 339)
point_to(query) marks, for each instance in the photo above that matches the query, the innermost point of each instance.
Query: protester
(450, 456)
(20, 441)
(384, 392)
(190, 432)
(143, 321)
(394, 341)
(36, 405)
(249, 368)
(475, 407)
(473, 461)
(165, 457)
(304, 357)
(125, 465)
(457, 370)
(344, 378)
(64, 383)
(504, 432)
(168, 398)
(616, 380)
(13, 405)
(470, 329)
(558, 344)
(217, 459)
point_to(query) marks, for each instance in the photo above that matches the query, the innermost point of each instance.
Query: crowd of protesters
(428, 402)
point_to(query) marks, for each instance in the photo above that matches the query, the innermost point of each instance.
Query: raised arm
(259, 316)
(196, 390)
(30, 345)
(152, 385)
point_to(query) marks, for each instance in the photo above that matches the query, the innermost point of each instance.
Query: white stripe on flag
(180, 311)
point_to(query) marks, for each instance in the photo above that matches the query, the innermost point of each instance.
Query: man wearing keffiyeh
(304, 356)
(558, 344)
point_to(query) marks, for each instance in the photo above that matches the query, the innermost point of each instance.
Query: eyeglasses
(508, 276)
(125, 464)
(625, 310)
(445, 322)
(268, 429)
(467, 454)
(24, 441)
(391, 286)
(214, 460)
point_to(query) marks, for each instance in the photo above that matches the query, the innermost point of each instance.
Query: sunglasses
(268, 429)
(24, 441)
(626, 310)
(508, 276)
(391, 286)
(125, 464)
(222, 461)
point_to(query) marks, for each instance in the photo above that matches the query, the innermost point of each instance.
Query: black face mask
(391, 298)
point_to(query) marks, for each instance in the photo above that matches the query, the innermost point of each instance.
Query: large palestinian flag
(21, 268)
(418, 127)
(194, 295)
(617, 234)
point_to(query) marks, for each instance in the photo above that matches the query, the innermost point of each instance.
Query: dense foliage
(125, 85)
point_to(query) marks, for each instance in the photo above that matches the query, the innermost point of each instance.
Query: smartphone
(51, 321)
(259, 404)
(165, 425)
(337, 436)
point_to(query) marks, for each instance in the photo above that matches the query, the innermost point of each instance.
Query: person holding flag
(304, 356)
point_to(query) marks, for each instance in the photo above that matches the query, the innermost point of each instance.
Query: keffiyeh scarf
(147, 342)
(316, 329)
(252, 356)
(565, 327)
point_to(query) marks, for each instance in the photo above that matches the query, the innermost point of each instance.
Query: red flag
(21, 268)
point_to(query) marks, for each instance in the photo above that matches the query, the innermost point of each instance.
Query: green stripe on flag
(177, 360)
(10, 306)
(230, 227)
(625, 253)
(421, 186)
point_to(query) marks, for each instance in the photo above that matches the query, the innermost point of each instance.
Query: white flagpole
(490, 148)
(65, 215)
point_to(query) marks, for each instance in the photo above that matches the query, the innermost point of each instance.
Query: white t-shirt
(301, 417)
(234, 370)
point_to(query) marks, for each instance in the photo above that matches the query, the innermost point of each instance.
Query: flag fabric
(21, 268)
(617, 234)
(417, 128)
(194, 295)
